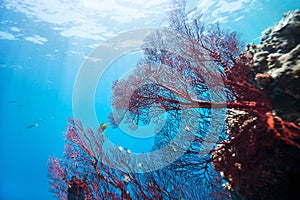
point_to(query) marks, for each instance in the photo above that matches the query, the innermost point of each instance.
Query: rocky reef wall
(276, 66)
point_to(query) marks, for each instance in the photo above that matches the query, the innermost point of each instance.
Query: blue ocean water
(42, 47)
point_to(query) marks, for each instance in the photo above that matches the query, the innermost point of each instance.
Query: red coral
(85, 173)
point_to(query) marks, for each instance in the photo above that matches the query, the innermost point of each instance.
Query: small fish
(128, 151)
(120, 148)
(32, 125)
(102, 127)
(187, 128)
(140, 164)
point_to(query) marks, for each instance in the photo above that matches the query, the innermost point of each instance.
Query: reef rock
(276, 66)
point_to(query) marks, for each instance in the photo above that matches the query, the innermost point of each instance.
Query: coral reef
(261, 158)
(277, 66)
(257, 153)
